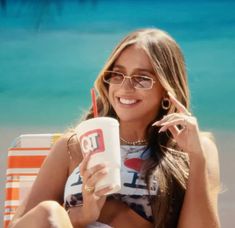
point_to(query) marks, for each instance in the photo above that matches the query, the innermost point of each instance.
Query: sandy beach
(226, 146)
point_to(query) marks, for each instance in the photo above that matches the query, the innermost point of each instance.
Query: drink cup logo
(92, 141)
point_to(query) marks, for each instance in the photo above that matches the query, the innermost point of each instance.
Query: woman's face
(129, 103)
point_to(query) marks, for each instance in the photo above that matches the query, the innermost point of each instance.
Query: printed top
(133, 190)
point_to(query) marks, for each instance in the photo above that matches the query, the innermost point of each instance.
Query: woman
(144, 86)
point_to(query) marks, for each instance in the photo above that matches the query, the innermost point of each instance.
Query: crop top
(133, 190)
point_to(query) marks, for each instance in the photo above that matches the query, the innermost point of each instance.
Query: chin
(131, 118)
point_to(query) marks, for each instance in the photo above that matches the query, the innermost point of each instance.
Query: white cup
(100, 136)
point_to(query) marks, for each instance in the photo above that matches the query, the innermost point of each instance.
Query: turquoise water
(49, 58)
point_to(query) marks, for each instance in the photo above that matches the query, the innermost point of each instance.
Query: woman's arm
(49, 184)
(200, 203)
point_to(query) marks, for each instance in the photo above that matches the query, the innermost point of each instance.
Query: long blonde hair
(167, 163)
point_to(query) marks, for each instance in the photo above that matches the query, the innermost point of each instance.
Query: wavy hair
(167, 164)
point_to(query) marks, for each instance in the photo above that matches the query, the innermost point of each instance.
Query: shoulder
(67, 146)
(209, 145)
(60, 147)
(212, 158)
(67, 149)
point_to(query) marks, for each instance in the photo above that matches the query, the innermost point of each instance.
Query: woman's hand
(187, 137)
(199, 208)
(92, 201)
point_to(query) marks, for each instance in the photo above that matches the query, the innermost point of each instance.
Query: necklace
(134, 143)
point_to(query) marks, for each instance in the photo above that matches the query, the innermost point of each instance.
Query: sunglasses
(138, 81)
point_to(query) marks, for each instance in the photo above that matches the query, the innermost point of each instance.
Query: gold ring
(89, 188)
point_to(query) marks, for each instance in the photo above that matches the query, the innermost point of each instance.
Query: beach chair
(25, 158)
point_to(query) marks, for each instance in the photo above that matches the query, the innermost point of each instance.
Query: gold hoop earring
(166, 103)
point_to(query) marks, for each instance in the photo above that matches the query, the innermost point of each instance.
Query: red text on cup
(92, 141)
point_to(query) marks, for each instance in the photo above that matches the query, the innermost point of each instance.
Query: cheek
(155, 98)
(110, 95)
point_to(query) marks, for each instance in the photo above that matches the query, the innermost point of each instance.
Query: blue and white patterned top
(133, 190)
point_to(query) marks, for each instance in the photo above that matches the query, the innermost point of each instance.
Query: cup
(100, 136)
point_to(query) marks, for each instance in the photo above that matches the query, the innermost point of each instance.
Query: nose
(127, 83)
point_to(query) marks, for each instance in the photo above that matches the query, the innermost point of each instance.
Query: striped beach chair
(25, 158)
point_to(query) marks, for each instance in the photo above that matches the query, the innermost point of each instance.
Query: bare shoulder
(67, 147)
(209, 145)
(212, 159)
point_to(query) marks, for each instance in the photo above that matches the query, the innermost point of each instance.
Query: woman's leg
(47, 214)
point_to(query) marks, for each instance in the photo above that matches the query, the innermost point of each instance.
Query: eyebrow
(136, 69)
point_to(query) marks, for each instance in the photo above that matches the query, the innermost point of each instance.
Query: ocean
(52, 51)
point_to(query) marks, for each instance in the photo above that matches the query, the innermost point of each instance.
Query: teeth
(127, 101)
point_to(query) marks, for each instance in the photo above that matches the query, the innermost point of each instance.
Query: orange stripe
(11, 213)
(13, 181)
(33, 148)
(12, 194)
(6, 224)
(11, 207)
(20, 180)
(18, 175)
(25, 161)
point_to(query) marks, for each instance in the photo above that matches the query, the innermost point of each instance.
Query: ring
(89, 188)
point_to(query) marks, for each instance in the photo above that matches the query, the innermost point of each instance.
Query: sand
(226, 146)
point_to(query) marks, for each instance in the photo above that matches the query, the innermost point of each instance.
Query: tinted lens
(113, 77)
(142, 82)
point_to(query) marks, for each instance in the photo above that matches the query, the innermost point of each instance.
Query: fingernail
(156, 123)
(169, 93)
(161, 130)
(104, 171)
(101, 166)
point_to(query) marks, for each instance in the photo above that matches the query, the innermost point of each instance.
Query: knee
(46, 214)
(50, 207)
(54, 213)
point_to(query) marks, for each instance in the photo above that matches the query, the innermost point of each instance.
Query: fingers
(91, 178)
(103, 191)
(87, 173)
(171, 123)
(167, 118)
(178, 105)
(84, 171)
(174, 131)
(83, 164)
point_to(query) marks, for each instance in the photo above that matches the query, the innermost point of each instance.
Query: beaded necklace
(134, 143)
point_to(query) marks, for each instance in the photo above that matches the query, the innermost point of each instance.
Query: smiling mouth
(126, 101)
